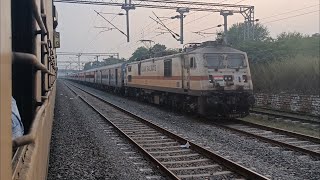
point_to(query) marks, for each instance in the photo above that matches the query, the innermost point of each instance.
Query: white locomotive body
(208, 78)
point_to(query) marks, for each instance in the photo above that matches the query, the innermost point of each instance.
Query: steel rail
(282, 131)
(241, 170)
(162, 167)
(277, 114)
(275, 142)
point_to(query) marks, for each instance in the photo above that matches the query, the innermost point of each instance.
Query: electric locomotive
(208, 78)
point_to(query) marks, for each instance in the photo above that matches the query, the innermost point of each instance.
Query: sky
(79, 33)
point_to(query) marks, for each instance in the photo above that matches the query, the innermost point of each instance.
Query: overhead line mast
(247, 11)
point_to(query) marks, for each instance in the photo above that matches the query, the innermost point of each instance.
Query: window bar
(19, 57)
(38, 17)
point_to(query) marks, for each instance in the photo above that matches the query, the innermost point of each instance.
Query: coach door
(186, 73)
(100, 76)
(109, 77)
(95, 80)
(116, 74)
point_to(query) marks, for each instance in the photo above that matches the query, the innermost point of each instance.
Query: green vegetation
(105, 62)
(157, 50)
(288, 63)
(299, 74)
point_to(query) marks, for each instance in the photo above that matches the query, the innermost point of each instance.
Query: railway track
(174, 155)
(294, 141)
(293, 117)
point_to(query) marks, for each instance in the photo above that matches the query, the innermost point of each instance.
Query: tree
(139, 53)
(158, 48)
(112, 60)
(236, 33)
(87, 66)
(294, 43)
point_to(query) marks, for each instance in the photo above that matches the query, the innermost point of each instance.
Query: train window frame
(192, 63)
(167, 68)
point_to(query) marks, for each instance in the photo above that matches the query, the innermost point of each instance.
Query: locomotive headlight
(228, 78)
(210, 79)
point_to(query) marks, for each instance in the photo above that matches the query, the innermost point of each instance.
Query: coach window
(167, 68)
(193, 63)
(129, 68)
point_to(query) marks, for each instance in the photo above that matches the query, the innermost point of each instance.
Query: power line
(90, 27)
(210, 27)
(262, 18)
(269, 17)
(290, 17)
(290, 11)
(205, 15)
(161, 23)
(111, 23)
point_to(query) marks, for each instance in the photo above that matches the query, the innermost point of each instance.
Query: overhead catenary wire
(173, 20)
(111, 23)
(260, 19)
(146, 34)
(275, 20)
(164, 26)
(290, 17)
(169, 30)
(212, 27)
(290, 11)
(90, 27)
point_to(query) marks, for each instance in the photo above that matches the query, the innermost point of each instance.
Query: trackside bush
(299, 74)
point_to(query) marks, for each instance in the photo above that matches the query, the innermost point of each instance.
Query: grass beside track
(289, 126)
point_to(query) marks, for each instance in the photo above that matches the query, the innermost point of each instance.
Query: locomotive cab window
(215, 61)
(167, 68)
(236, 61)
(193, 63)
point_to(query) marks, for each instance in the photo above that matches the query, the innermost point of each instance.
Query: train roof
(210, 47)
(201, 48)
(215, 49)
(104, 67)
(193, 48)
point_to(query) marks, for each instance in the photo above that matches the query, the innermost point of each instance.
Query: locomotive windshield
(215, 61)
(236, 61)
(220, 61)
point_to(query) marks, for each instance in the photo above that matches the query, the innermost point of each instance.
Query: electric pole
(225, 15)
(79, 65)
(181, 16)
(128, 6)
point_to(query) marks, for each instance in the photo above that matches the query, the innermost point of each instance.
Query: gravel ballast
(273, 162)
(84, 146)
